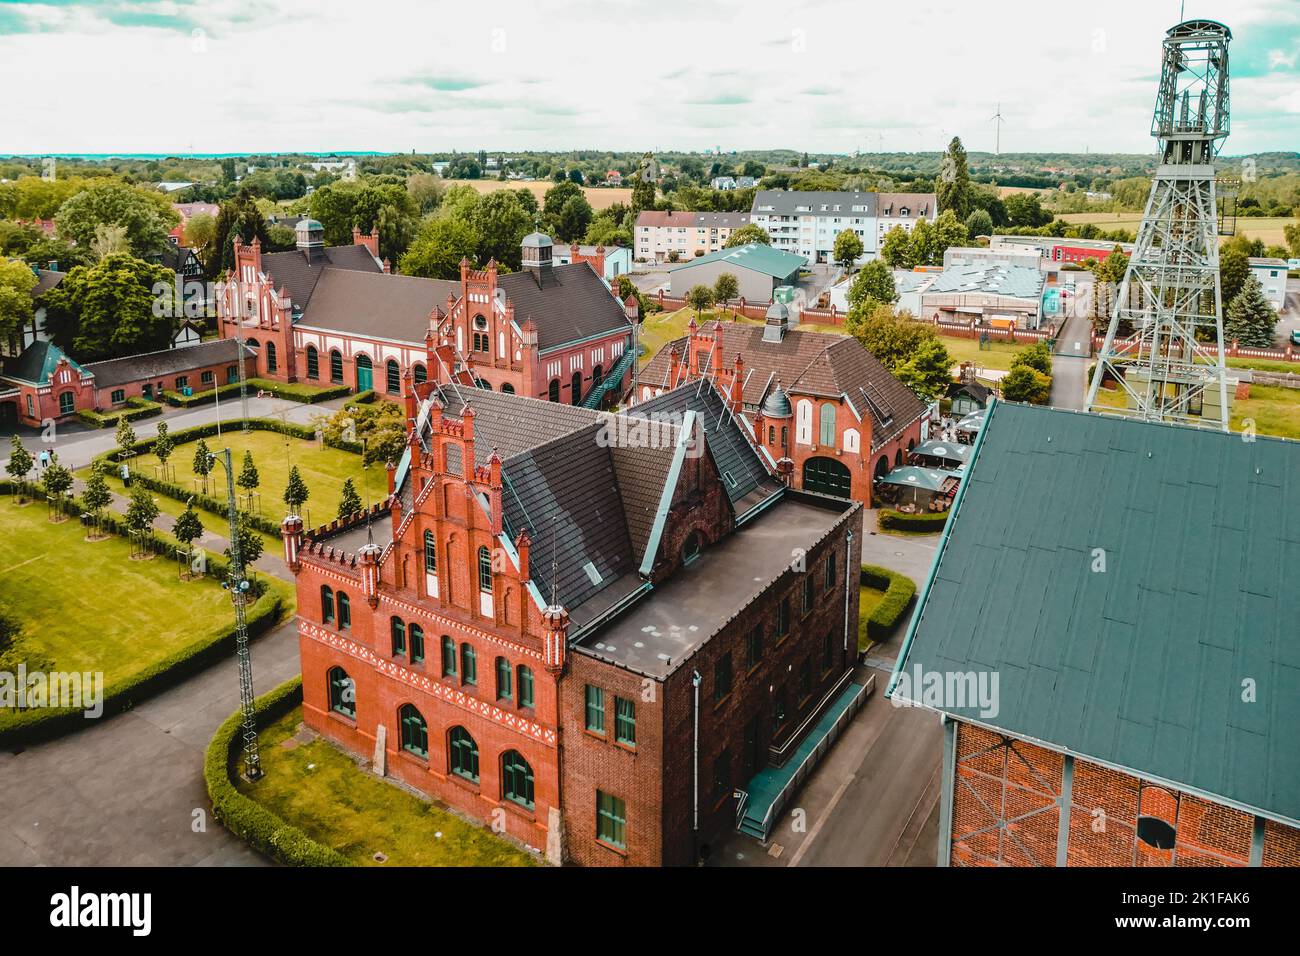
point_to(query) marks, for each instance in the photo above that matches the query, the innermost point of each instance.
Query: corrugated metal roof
(1143, 665)
(1019, 282)
(757, 257)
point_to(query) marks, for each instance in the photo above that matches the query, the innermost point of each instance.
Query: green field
(324, 793)
(1267, 229)
(997, 355)
(1274, 410)
(87, 606)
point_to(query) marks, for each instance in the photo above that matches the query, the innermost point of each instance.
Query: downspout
(848, 584)
(695, 763)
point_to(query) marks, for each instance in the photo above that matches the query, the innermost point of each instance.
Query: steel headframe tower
(1171, 286)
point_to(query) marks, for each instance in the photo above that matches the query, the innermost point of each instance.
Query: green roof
(37, 363)
(1142, 665)
(777, 263)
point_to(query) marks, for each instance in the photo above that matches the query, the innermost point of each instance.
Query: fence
(1233, 350)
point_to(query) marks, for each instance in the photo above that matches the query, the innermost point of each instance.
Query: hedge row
(28, 726)
(177, 400)
(928, 521)
(194, 433)
(243, 816)
(136, 408)
(899, 591)
(299, 391)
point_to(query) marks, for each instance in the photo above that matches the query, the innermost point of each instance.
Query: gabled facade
(43, 384)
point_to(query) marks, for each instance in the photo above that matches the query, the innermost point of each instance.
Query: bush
(927, 522)
(136, 408)
(247, 819)
(1026, 384)
(177, 400)
(299, 391)
(899, 591)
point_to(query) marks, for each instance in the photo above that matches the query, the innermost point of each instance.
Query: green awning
(927, 479)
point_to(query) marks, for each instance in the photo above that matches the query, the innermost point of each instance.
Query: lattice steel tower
(1171, 287)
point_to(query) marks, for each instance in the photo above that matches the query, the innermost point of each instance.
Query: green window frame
(611, 820)
(525, 686)
(595, 709)
(67, 403)
(722, 677)
(485, 570)
(343, 694)
(415, 732)
(516, 779)
(468, 665)
(313, 362)
(430, 553)
(416, 635)
(326, 604)
(397, 632)
(336, 367)
(448, 657)
(118, 396)
(463, 754)
(754, 645)
(393, 376)
(345, 611)
(827, 435)
(830, 572)
(207, 377)
(505, 690)
(625, 721)
(807, 592)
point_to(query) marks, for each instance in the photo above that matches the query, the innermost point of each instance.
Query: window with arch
(507, 388)
(336, 366)
(326, 604)
(313, 362)
(345, 610)
(785, 435)
(576, 386)
(343, 694)
(463, 754)
(505, 688)
(468, 665)
(525, 686)
(554, 393)
(448, 657)
(253, 344)
(430, 553)
(597, 376)
(271, 365)
(397, 632)
(827, 436)
(419, 374)
(394, 375)
(771, 434)
(516, 779)
(481, 341)
(480, 322)
(415, 732)
(485, 570)
(898, 458)
(67, 403)
(416, 635)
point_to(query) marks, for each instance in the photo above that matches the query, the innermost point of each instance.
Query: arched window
(468, 665)
(415, 732)
(270, 357)
(397, 631)
(313, 362)
(771, 434)
(827, 436)
(485, 570)
(554, 393)
(343, 694)
(507, 388)
(505, 688)
(516, 779)
(253, 344)
(345, 611)
(419, 374)
(882, 467)
(336, 366)
(394, 375)
(898, 458)
(416, 634)
(597, 376)
(430, 553)
(448, 657)
(525, 686)
(326, 604)
(463, 753)
(576, 387)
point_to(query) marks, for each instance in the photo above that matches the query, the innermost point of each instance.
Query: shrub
(247, 819)
(177, 400)
(136, 408)
(299, 391)
(890, 520)
(899, 591)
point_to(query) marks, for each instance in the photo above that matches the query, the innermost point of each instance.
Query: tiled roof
(152, 365)
(571, 304)
(46, 280)
(699, 220)
(298, 274)
(375, 304)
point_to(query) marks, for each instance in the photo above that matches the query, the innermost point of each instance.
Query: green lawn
(323, 792)
(87, 606)
(1275, 410)
(868, 598)
(997, 355)
(1265, 365)
(1269, 229)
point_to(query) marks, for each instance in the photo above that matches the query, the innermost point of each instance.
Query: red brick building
(820, 402)
(542, 628)
(334, 315)
(1117, 677)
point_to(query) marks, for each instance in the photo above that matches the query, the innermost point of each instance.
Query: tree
(1107, 275)
(928, 370)
(979, 223)
(237, 217)
(202, 465)
(643, 189)
(726, 288)
(847, 249)
(1025, 209)
(200, 233)
(125, 435)
(350, 501)
(946, 232)
(251, 543)
(1251, 321)
(141, 511)
(954, 186)
(501, 224)
(295, 492)
(1234, 270)
(118, 306)
(144, 216)
(875, 283)
(96, 497)
(903, 345)
(56, 479)
(897, 250)
(163, 445)
(1026, 384)
(16, 307)
(699, 298)
(1037, 356)
(188, 528)
(109, 238)
(1292, 233)
(571, 222)
(20, 463)
(747, 235)
(437, 251)
(248, 478)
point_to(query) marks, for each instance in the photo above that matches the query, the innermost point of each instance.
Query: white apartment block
(807, 223)
(689, 234)
(1271, 274)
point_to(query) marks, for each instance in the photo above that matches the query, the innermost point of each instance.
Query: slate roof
(786, 202)
(297, 273)
(1140, 667)
(36, 364)
(375, 304)
(695, 220)
(570, 304)
(164, 363)
(756, 257)
(807, 363)
(47, 279)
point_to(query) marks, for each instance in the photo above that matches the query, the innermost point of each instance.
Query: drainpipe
(695, 761)
(848, 586)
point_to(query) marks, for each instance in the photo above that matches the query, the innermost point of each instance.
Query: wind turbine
(997, 149)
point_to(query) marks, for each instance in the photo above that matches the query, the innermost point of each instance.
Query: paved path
(124, 791)
(1070, 364)
(908, 554)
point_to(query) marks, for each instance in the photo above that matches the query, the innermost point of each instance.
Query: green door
(827, 476)
(365, 374)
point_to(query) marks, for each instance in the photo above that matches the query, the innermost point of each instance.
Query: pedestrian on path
(44, 456)
(126, 474)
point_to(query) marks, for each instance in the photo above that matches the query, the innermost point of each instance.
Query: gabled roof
(1140, 666)
(756, 257)
(35, 366)
(47, 279)
(570, 304)
(375, 304)
(163, 363)
(298, 273)
(697, 220)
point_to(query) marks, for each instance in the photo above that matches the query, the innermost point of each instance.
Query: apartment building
(807, 223)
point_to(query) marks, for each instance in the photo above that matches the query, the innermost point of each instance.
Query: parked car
(1295, 336)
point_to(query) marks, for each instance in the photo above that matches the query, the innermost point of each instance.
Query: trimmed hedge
(243, 816)
(29, 726)
(899, 591)
(194, 433)
(299, 391)
(177, 400)
(928, 522)
(136, 409)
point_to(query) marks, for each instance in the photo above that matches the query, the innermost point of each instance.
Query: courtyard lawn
(87, 606)
(1274, 410)
(997, 355)
(326, 794)
(868, 598)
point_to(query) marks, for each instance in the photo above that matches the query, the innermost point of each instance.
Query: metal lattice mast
(240, 595)
(1171, 287)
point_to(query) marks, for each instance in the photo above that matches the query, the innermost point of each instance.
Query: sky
(230, 76)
